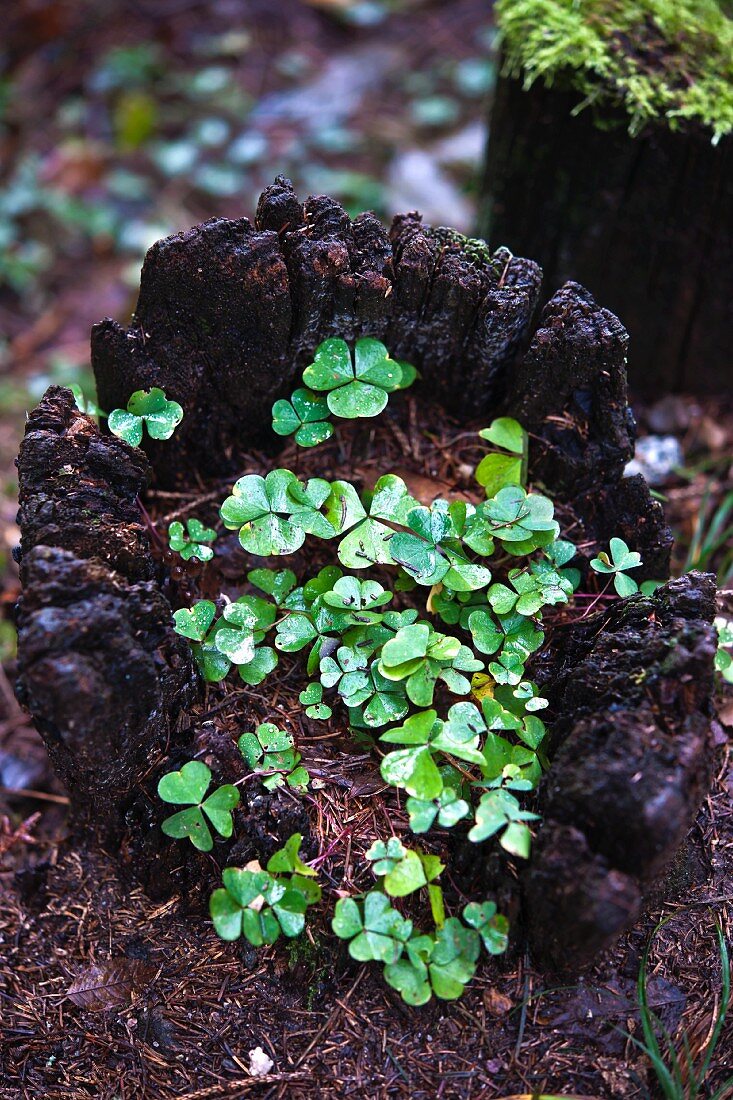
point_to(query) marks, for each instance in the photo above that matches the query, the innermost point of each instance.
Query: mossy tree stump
(228, 312)
(610, 160)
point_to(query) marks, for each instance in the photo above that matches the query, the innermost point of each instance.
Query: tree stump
(228, 313)
(643, 219)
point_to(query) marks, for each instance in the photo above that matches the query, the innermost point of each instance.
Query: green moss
(657, 59)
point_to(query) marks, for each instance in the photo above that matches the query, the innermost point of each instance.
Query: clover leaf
(620, 560)
(448, 809)
(195, 623)
(312, 699)
(403, 870)
(499, 811)
(305, 414)
(358, 387)
(499, 469)
(492, 927)
(188, 787)
(442, 965)
(149, 408)
(429, 552)
(277, 583)
(422, 656)
(368, 539)
(521, 521)
(379, 702)
(260, 905)
(375, 930)
(191, 542)
(274, 513)
(724, 659)
(270, 749)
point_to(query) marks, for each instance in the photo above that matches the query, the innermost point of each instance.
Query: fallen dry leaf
(109, 984)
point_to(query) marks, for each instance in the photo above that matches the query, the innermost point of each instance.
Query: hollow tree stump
(644, 221)
(228, 313)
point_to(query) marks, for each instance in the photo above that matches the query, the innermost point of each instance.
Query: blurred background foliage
(122, 121)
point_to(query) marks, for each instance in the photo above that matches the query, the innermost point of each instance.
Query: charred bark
(646, 223)
(229, 313)
(631, 695)
(100, 667)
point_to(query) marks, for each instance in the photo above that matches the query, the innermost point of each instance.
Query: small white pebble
(260, 1063)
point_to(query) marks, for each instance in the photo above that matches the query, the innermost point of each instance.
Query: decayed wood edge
(230, 312)
(315, 273)
(100, 668)
(631, 692)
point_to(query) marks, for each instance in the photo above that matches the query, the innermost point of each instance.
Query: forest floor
(113, 132)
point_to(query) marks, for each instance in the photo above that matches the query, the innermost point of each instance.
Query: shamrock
(306, 414)
(375, 930)
(522, 521)
(497, 470)
(621, 559)
(498, 810)
(421, 656)
(381, 700)
(429, 552)
(312, 699)
(188, 787)
(368, 540)
(274, 513)
(277, 583)
(447, 808)
(403, 870)
(191, 543)
(260, 905)
(270, 749)
(345, 670)
(195, 623)
(443, 964)
(149, 408)
(355, 388)
(352, 595)
(492, 927)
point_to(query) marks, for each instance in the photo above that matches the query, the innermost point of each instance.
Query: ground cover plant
(416, 634)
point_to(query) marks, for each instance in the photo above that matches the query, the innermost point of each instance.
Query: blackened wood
(570, 393)
(631, 693)
(229, 313)
(100, 667)
(646, 223)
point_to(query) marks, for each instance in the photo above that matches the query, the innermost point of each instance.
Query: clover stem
(150, 525)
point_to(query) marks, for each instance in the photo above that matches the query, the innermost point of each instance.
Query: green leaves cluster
(272, 750)
(148, 409)
(723, 656)
(263, 904)
(192, 541)
(417, 964)
(345, 385)
(234, 638)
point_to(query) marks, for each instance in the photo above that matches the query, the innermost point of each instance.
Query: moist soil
(111, 991)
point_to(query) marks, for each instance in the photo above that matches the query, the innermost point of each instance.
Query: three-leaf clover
(356, 387)
(261, 904)
(442, 965)
(492, 927)
(188, 787)
(620, 560)
(149, 408)
(306, 414)
(191, 541)
(270, 749)
(375, 930)
(508, 466)
(724, 659)
(368, 539)
(522, 521)
(403, 870)
(274, 513)
(499, 811)
(312, 699)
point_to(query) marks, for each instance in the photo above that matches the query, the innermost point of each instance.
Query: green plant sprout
(83, 403)
(148, 408)
(191, 541)
(417, 964)
(723, 658)
(507, 465)
(354, 386)
(271, 750)
(620, 560)
(188, 787)
(262, 905)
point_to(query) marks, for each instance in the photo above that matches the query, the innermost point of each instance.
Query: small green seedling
(149, 408)
(188, 787)
(270, 749)
(260, 905)
(306, 415)
(616, 565)
(192, 541)
(85, 404)
(508, 465)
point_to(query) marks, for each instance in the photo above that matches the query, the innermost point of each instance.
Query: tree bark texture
(646, 223)
(228, 314)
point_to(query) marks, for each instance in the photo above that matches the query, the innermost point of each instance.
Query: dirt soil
(108, 992)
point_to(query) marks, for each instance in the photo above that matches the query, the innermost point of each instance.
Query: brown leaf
(497, 1003)
(109, 984)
